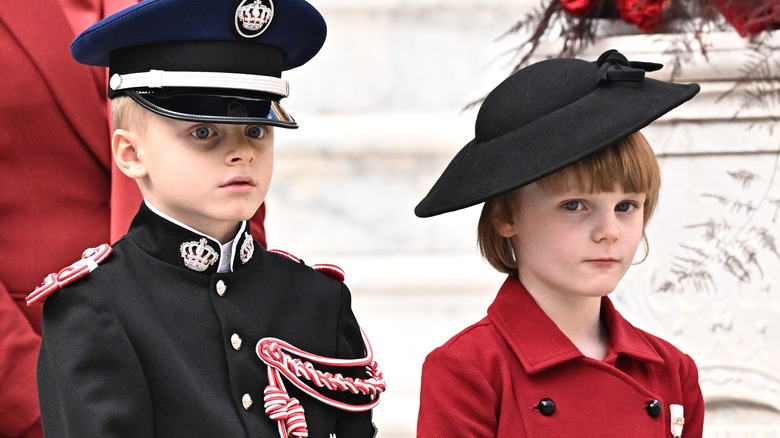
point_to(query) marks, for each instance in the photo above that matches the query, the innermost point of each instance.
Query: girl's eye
(625, 206)
(255, 132)
(572, 205)
(202, 132)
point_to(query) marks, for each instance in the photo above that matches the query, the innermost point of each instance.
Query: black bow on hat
(547, 116)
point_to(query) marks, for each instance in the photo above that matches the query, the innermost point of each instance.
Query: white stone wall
(381, 114)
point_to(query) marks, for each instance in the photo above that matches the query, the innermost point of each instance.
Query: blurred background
(382, 111)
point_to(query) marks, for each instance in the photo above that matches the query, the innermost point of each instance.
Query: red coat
(489, 380)
(57, 193)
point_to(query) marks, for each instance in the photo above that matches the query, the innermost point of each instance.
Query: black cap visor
(195, 106)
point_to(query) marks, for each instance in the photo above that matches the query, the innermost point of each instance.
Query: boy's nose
(241, 152)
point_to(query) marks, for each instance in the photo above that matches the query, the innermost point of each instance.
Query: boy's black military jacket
(144, 346)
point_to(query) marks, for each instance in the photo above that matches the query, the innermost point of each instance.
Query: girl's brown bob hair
(629, 164)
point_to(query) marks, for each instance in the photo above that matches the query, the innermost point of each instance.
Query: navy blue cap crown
(205, 60)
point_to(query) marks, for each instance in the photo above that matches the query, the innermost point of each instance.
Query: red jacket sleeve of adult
(19, 347)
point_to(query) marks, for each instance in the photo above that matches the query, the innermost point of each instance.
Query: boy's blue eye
(202, 132)
(624, 206)
(255, 132)
(572, 205)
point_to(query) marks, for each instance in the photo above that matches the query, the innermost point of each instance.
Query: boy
(569, 184)
(187, 326)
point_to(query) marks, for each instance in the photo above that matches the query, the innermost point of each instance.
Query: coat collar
(539, 344)
(181, 246)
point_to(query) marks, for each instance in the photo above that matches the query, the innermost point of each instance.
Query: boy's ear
(124, 147)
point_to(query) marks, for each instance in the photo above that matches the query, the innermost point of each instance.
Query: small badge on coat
(90, 259)
(247, 248)
(198, 256)
(678, 420)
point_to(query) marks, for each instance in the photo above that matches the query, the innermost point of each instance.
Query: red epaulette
(332, 271)
(90, 259)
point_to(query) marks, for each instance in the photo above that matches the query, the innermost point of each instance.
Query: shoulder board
(89, 261)
(328, 269)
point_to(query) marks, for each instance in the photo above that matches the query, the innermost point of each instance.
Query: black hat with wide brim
(547, 116)
(205, 60)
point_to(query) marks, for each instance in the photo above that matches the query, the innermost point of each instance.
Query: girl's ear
(506, 228)
(124, 147)
(503, 219)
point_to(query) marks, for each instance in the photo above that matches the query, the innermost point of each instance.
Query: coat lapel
(539, 344)
(78, 89)
(533, 336)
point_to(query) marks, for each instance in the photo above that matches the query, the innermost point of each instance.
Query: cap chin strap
(198, 79)
(286, 410)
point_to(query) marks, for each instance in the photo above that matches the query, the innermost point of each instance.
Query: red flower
(578, 8)
(647, 15)
(750, 16)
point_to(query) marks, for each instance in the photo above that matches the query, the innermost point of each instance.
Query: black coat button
(653, 408)
(546, 407)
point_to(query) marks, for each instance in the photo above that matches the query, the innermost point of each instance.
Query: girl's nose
(606, 228)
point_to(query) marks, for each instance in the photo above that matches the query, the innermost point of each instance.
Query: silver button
(235, 341)
(221, 288)
(246, 400)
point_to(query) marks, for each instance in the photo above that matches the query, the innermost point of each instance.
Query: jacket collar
(175, 243)
(539, 344)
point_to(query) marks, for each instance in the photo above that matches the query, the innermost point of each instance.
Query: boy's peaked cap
(547, 116)
(196, 59)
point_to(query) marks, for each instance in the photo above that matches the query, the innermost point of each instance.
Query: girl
(569, 184)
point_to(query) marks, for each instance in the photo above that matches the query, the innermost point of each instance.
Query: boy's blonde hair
(127, 113)
(629, 164)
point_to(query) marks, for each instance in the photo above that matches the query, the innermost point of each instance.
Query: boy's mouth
(239, 183)
(239, 180)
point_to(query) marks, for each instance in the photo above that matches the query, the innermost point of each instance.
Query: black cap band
(212, 56)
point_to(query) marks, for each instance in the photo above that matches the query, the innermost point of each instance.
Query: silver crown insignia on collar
(247, 248)
(198, 256)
